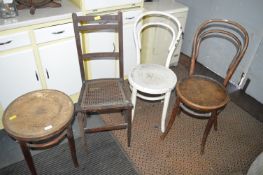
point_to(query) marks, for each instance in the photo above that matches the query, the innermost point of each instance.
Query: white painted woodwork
(18, 75)
(61, 67)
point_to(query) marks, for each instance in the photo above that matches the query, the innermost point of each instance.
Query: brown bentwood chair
(102, 95)
(203, 96)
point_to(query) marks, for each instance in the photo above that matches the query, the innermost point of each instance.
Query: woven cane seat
(103, 94)
(38, 114)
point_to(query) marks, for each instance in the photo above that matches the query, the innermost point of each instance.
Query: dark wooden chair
(102, 95)
(201, 95)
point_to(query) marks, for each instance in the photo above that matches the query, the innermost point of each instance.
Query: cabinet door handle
(59, 32)
(113, 47)
(47, 74)
(7, 42)
(36, 76)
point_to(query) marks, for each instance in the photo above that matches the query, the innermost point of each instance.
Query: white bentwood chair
(153, 81)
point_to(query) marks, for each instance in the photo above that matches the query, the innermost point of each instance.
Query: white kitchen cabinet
(108, 42)
(101, 42)
(19, 75)
(129, 50)
(92, 6)
(60, 65)
(156, 40)
(38, 58)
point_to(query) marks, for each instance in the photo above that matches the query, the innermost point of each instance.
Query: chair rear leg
(172, 118)
(215, 123)
(209, 125)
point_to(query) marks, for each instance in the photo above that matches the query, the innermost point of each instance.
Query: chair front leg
(209, 125)
(165, 108)
(81, 121)
(128, 120)
(172, 118)
(133, 100)
(72, 147)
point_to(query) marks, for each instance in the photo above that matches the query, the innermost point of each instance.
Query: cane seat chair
(200, 95)
(101, 95)
(153, 81)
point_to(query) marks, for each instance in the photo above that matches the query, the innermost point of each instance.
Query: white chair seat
(152, 78)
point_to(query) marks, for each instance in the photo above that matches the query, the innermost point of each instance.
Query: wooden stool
(40, 119)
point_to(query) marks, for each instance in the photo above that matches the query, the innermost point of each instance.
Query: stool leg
(28, 157)
(72, 146)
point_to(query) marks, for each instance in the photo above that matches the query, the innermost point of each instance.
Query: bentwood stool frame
(40, 119)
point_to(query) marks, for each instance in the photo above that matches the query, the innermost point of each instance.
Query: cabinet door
(129, 50)
(18, 75)
(60, 66)
(102, 42)
(153, 51)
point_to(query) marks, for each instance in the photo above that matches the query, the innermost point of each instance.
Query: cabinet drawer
(54, 33)
(101, 5)
(14, 40)
(131, 15)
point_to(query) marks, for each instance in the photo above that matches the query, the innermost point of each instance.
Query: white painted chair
(152, 81)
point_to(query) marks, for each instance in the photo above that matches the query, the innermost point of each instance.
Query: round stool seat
(38, 114)
(152, 78)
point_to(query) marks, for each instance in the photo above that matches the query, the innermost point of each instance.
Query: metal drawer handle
(130, 17)
(4, 43)
(59, 32)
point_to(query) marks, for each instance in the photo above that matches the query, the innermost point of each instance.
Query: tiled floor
(11, 153)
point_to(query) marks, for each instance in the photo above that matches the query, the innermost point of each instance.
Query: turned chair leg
(176, 109)
(209, 125)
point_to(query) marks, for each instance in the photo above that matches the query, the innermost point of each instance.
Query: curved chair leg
(172, 118)
(133, 100)
(165, 108)
(208, 129)
(215, 123)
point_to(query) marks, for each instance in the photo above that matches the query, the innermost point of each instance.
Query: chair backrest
(91, 24)
(229, 30)
(139, 26)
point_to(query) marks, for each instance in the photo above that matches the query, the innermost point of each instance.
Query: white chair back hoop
(176, 36)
